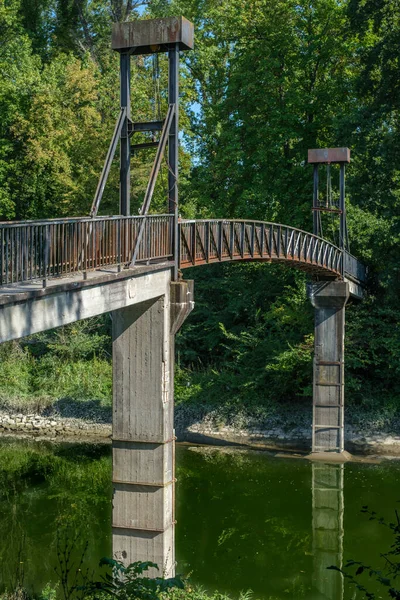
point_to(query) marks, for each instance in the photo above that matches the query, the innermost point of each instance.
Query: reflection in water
(244, 519)
(328, 531)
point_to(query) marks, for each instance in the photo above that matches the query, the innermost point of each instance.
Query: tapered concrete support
(328, 531)
(329, 300)
(143, 429)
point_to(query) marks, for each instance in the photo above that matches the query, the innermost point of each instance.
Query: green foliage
(248, 342)
(15, 369)
(70, 362)
(273, 79)
(131, 583)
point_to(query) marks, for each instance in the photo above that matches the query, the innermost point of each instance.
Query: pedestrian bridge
(58, 271)
(56, 249)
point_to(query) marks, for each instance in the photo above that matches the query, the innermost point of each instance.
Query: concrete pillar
(329, 300)
(328, 531)
(143, 429)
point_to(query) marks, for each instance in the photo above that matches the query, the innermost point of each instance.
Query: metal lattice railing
(32, 250)
(38, 250)
(209, 241)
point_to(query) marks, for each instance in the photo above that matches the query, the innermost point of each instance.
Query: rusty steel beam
(154, 35)
(328, 155)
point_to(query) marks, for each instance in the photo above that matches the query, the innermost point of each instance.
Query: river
(245, 520)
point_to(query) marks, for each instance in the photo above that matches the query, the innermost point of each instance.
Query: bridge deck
(19, 292)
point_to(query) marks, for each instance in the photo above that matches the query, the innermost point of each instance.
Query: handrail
(39, 250)
(31, 250)
(255, 221)
(75, 220)
(205, 241)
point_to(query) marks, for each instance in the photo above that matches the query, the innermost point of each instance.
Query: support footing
(330, 457)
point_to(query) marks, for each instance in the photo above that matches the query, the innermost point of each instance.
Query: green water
(244, 520)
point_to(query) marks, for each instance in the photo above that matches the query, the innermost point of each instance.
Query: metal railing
(209, 241)
(32, 250)
(354, 269)
(38, 250)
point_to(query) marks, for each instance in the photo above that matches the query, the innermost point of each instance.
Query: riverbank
(288, 427)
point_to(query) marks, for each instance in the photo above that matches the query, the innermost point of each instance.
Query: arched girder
(220, 240)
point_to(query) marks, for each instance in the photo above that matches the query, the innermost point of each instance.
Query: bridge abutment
(143, 427)
(329, 300)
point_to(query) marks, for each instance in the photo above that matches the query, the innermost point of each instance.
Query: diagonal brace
(107, 164)
(157, 161)
(153, 178)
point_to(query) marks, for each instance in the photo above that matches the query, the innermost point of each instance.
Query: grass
(36, 373)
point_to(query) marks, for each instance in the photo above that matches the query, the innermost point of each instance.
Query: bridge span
(59, 271)
(41, 251)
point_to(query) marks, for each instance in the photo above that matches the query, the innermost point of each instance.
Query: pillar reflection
(328, 531)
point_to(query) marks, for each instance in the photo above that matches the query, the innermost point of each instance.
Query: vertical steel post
(315, 201)
(173, 147)
(342, 207)
(125, 148)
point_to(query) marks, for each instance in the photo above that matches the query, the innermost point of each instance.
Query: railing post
(46, 252)
(149, 234)
(85, 247)
(232, 239)
(286, 243)
(119, 266)
(193, 246)
(207, 241)
(279, 233)
(262, 234)
(220, 234)
(271, 240)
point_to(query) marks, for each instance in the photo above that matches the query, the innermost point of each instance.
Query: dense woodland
(267, 80)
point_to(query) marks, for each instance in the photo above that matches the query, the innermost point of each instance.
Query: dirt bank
(288, 427)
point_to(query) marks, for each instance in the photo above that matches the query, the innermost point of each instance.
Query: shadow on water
(246, 520)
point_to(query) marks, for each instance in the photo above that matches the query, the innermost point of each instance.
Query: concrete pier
(329, 300)
(143, 429)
